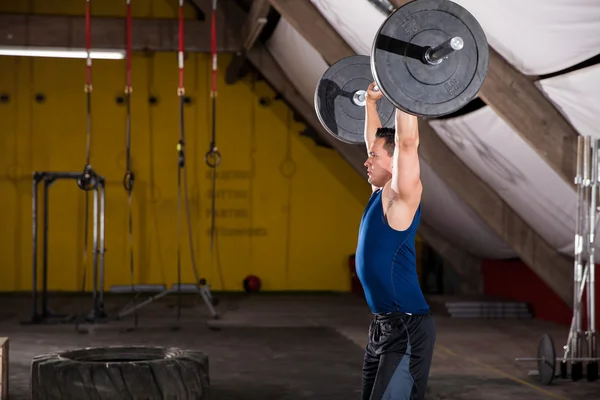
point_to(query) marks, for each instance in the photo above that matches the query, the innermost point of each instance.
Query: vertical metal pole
(583, 221)
(102, 214)
(591, 306)
(45, 252)
(95, 249)
(34, 228)
(578, 248)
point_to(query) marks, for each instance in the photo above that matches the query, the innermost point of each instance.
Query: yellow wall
(295, 233)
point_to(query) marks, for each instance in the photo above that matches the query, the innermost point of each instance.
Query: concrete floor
(473, 359)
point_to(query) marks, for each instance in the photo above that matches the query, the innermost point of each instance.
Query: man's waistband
(395, 315)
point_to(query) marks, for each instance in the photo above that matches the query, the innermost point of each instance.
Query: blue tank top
(386, 262)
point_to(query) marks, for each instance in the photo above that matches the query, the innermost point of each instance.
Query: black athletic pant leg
(398, 357)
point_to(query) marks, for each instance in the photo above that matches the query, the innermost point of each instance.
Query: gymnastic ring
(213, 158)
(287, 168)
(128, 180)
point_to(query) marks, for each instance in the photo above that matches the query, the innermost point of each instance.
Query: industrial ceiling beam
(264, 62)
(550, 265)
(251, 30)
(148, 34)
(255, 22)
(529, 112)
(309, 22)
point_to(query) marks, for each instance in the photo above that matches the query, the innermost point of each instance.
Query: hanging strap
(180, 152)
(82, 182)
(87, 180)
(88, 77)
(182, 171)
(213, 156)
(129, 177)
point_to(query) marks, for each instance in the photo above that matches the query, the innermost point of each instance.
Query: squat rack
(587, 180)
(40, 312)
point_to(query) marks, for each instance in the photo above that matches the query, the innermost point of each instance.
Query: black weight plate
(592, 371)
(419, 88)
(334, 103)
(547, 359)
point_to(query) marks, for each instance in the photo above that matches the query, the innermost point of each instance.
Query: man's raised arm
(372, 122)
(406, 173)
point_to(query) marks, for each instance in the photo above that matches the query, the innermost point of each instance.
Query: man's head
(379, 163)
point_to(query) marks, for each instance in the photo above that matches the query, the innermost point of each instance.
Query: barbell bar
(429, 58)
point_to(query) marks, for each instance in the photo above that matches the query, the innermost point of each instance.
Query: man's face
(379, 164)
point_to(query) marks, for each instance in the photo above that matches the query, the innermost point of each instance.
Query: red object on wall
(252, 283)
(514, 280)
(355, 285)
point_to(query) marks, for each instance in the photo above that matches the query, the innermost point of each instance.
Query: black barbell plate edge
(383, 103)
(576, 371)
(323, 107)
(546, 367)
(592, 371)
(483, 59)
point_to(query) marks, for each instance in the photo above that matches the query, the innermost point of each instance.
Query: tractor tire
(135, 372)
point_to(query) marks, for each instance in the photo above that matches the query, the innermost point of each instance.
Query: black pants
(398, 357)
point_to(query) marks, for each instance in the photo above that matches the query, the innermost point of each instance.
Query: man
(402, 334)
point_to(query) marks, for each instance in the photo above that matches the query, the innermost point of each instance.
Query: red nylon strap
(88, 45)
(128, 75)
(181, 90)
(214, 49)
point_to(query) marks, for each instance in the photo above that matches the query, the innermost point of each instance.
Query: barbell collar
(360, 98)
(435, 55)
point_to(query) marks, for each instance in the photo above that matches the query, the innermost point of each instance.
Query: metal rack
(41, 313)
(587, 182)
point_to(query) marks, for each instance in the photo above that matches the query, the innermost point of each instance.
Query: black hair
(389, 134)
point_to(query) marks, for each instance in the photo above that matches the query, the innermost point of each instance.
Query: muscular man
(402, 334)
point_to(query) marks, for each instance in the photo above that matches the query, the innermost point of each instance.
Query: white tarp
(494, 151)
(456, 222)
(302, 64)
(539, 36)
(577, 96)
(442, 208)
(536, 36)
(499, 156)
(357, 21)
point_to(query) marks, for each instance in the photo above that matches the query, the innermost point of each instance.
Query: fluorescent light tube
(56, 52)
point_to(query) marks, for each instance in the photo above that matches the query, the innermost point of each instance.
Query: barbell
(429, 58)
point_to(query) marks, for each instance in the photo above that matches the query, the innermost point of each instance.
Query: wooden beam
(264, 62)
(309, 22)
(255, 22)
(467, 266)
(529, 112)
(516, 99)
(552, 267)
(109, 33)
(253, 26)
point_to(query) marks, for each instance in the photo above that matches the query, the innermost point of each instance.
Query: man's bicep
(406, 176)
